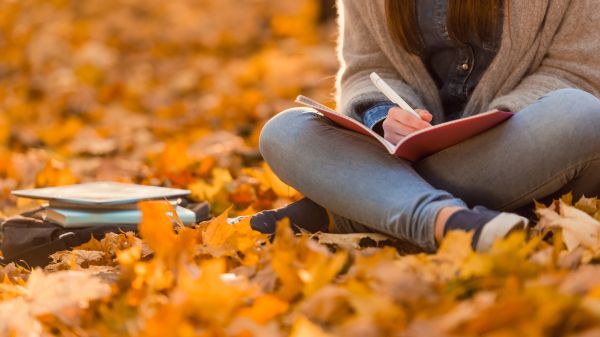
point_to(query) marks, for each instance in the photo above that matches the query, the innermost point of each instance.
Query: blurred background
(169, 93)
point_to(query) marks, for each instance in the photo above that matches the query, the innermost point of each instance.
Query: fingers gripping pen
(391, 94)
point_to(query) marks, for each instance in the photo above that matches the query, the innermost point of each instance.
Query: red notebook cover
(424, 142)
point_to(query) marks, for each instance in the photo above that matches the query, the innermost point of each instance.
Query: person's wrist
(376, 114)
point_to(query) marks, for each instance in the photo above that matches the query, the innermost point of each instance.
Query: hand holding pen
(403, 120)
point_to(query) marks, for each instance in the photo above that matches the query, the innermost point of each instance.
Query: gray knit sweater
(546, 45)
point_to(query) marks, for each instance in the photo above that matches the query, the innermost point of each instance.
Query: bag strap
(39, 256)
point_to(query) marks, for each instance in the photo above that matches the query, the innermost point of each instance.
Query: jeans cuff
(376, 114)
(429, 243)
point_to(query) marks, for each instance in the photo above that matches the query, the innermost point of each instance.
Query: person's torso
(455, 67)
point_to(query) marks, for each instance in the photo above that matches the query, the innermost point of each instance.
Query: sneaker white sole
(498, 228)
(233, 221)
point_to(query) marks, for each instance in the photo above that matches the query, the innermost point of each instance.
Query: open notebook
(424, 142)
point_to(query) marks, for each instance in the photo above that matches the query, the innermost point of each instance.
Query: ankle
(441, 220)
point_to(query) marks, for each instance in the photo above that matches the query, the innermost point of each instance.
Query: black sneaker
(303, 214)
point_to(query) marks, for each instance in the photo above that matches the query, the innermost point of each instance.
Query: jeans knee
(570, 94)
(579, 111)
(281, 132)
(578, 101)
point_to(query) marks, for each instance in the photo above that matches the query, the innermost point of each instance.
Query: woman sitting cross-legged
(451, 59)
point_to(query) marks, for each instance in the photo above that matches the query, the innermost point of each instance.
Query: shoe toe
(499, 227)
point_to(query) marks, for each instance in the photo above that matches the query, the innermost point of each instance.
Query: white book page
(101, 193)
(326, 110)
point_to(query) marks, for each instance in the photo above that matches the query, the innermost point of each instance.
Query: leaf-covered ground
(174, 93)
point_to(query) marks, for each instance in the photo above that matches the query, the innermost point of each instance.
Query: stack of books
(103, 203)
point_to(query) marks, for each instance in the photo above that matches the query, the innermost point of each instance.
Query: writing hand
(400, 123)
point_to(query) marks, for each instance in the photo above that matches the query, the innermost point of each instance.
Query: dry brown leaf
(578, 227)
(352, 241)
(17, 320)
(329, 305)
(75, 259)
(581, 281)
(56, 293)
(62, 294)
(467, 310)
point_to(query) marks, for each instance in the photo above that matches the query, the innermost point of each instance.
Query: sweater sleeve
(571, 62)
(359, 55)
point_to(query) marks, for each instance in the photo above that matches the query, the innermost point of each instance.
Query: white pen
(391, 94)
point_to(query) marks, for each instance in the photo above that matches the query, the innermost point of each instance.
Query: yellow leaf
(456, 245)
(174, 157)
(322, 270)
(588, 205)
(5, 130)
(284, 260)
(208, 297)
(567, 198)
(222, 239)
(127, 257)
(213, 190)
(265, 308)
(218, 230)
(55, 173)
(302, 327)
(59, 133)
(279, 187)
(156, 228)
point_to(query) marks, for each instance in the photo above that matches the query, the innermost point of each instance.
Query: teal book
(71, 218)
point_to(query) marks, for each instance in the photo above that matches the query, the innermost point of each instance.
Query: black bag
(29, 240)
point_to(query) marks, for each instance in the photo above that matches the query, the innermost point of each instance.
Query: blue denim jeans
(550, 147)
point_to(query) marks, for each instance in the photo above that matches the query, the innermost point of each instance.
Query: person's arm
(359, 55)
(572, 60)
